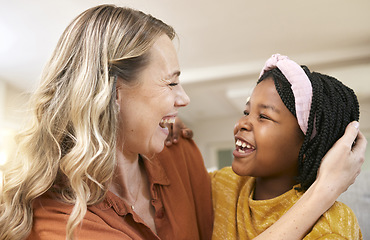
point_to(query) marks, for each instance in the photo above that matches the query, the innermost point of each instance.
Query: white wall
(213, 135)
(2, 113)
(12, 114)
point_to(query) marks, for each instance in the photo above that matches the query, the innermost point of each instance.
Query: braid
(333, 107)
(283, 87)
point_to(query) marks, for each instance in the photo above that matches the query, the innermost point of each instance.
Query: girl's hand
(176, 129)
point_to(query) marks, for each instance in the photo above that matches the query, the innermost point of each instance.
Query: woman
(86, 166)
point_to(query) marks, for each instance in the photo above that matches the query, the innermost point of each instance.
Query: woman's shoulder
(183, 155)
(49, 203)
(50, 217)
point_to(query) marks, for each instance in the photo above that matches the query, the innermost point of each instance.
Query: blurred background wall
(222, 46)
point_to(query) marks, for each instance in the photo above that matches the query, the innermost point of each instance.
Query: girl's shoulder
(339, 210)
(227, 177)
(338, 222)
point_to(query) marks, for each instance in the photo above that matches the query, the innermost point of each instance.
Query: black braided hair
(333, 107)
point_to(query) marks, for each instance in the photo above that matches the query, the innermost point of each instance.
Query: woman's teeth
(166, 121)
(243, 146)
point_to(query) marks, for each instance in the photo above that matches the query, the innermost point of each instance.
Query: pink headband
(301, 86)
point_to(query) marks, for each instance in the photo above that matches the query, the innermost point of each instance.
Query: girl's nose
(244, 124)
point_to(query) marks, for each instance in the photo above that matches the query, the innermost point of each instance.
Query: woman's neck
(268, 188)
(128, 175)
(130, 183)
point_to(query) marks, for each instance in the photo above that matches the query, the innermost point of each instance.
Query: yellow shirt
(238, 216)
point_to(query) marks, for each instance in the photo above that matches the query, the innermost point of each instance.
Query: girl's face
(268, 137)
(157, 98)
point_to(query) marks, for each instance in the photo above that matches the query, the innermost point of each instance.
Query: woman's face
(145, 107)
(268, 137)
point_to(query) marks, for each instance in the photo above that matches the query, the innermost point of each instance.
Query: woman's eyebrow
(174, 74)
(170, 76)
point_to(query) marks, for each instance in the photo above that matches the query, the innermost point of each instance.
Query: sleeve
(331, 236)
(50, 220)
(339, 222)
(90, 231)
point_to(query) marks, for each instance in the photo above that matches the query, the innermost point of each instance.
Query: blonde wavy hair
(70, 145)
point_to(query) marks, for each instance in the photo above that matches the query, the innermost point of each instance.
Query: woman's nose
(182, 99)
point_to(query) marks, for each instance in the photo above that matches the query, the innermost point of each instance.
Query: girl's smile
(268, 138)
(242, 148)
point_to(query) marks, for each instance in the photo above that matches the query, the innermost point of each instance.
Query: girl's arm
(338, 170)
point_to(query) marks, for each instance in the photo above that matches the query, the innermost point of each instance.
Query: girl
(292, 119)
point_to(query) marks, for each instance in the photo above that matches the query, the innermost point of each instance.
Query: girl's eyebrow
(273, 108)
(264, 106)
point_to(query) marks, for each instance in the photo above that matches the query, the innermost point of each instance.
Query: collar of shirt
(156, 175)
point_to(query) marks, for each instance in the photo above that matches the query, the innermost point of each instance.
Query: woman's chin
(158, 145)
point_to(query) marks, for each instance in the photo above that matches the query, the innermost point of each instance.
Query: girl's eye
(245, 112)
(264, 117)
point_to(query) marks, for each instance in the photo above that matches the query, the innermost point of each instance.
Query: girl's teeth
(243, 144)
(241, 151)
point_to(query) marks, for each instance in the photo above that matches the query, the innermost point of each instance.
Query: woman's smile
(164, 123)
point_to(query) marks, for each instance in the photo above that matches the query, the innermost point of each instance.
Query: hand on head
(344, 160)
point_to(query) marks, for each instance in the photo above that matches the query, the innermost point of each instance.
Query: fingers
(360, 144)
(176, 130)
(358, 151)
(187, 133)
(169, 139)
(350, 134)
(342, 163)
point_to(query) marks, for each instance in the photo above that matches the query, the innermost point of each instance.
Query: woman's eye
(173, 84)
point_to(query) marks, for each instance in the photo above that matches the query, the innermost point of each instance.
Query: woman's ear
(118, 106)
(118, 94)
